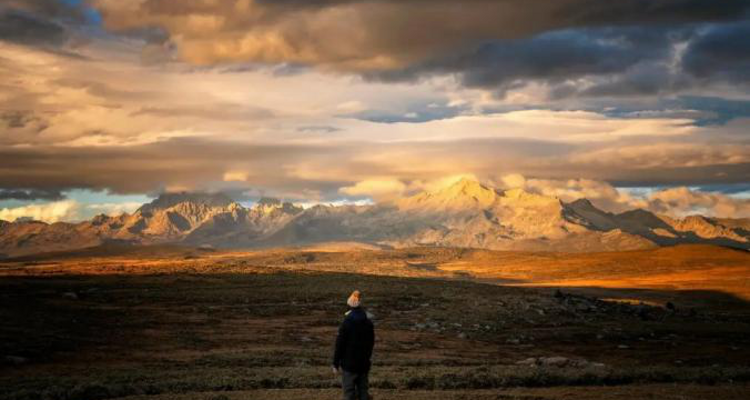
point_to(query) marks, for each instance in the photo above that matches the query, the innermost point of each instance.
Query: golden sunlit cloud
(235, 176)
(66, 210)
(377, 189)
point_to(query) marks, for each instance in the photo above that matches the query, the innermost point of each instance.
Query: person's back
(353, 351)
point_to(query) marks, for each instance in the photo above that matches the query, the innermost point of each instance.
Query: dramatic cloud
(32, 194)
(377, 189)
(66, 11)
(601, 194)
(665, 156)
(683, 201)
(66, 210)
(129, 128)
(722, 52)
(44, 24)
(27, 29)
(578, 47)
(375, 31)
(603, 62)
(674, 202)
(317, 171)
(554, 57)
(340, 100)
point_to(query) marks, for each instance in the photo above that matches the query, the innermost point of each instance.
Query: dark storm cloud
(723, 52)
(622, 47)
(377, 35)
(703, 110)
(33, 194)
(714, 54)
(617, 62)
(43, 23)
(647, 79)
(551, 57)
(628, 12)
(581, 10)
(52, 9)
(27, 29)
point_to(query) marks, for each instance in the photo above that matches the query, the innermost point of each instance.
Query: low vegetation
(209, 325)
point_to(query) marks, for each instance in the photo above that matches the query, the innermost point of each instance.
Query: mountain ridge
(463, 214)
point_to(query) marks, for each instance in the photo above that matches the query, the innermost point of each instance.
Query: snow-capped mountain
(463, 214)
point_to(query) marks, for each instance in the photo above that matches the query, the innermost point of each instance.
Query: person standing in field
(353, 350)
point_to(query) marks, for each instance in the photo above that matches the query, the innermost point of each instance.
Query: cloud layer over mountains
(678, 202)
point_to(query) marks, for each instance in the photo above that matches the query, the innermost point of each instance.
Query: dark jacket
(354, 342)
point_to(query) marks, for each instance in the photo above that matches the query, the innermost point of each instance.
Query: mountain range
(463, 214)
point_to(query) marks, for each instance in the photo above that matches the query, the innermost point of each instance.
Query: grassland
(168, 323)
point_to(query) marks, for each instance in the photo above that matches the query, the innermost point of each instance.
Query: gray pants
(355, 385)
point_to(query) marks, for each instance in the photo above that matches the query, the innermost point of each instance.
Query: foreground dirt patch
(665, 392)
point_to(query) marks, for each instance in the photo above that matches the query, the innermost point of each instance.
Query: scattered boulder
(559, 362)
(554, 361)
(15, 360)
(644, 313)
(70, 295)
(529, 361)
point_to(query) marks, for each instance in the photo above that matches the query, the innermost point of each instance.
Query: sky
(104, 104)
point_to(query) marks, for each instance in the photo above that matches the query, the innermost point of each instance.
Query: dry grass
(182, 323)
